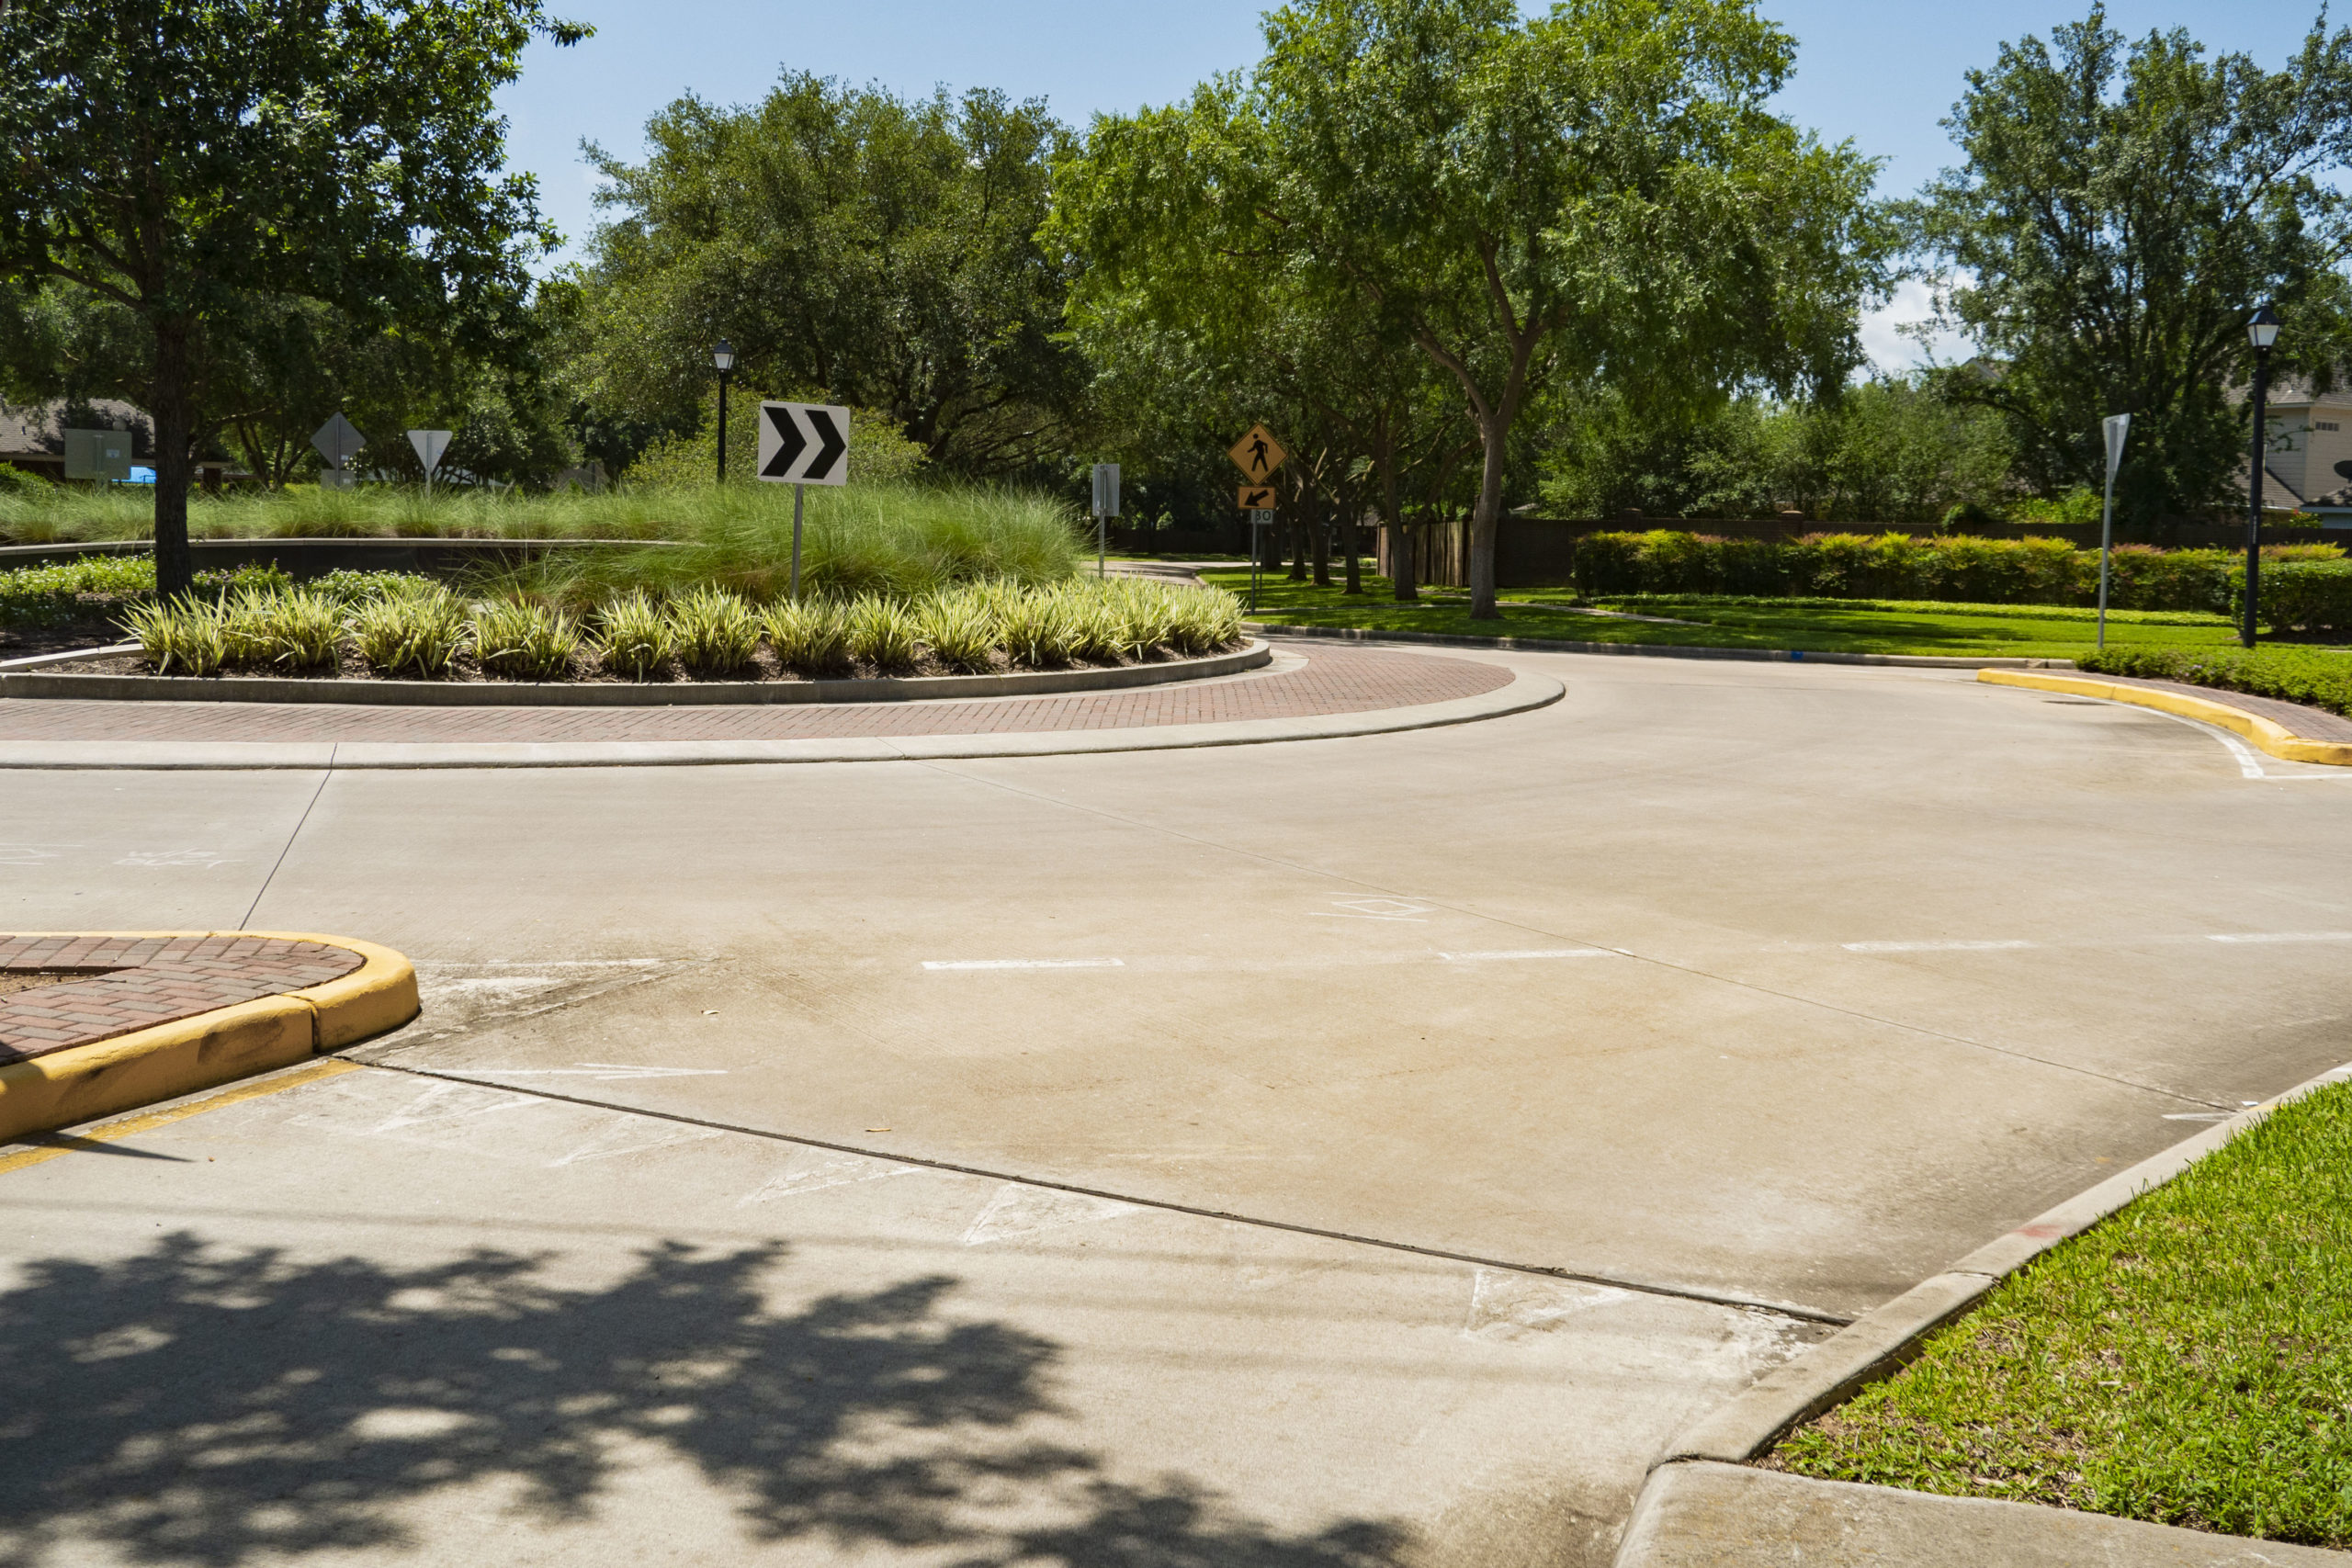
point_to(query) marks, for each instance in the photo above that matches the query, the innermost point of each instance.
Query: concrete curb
(32, 683)
(1883, 1341)
(108, 1076)
(1526, 691)
(2268, 734)
(1661, 650)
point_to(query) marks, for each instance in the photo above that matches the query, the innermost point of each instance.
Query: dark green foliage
(2319, 677)
(2310, 597)
(879, 250)
(2120, 212)
(1900, 566)
(2183, 1363)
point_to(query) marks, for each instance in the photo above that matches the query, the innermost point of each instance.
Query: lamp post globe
(723, 356)
(2261, 330)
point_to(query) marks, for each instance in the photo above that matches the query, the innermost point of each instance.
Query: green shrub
(1202, 621)
(351, 587)
(2318, 677)
(48, 596)
(1038, 628)
(416, 632)
(1955, 567)
(525, 641)
(2304, 594)
(633, 637)
(1094, 621)
(961, 630)
(812, 636)
(281, 629)
(882, 633)
(713, 632)
(1145, 618)
(184, 637)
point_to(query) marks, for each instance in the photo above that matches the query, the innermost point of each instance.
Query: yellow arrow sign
(1257, 498)
(1258, 454)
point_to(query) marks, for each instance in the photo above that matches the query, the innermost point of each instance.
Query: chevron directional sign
(804, 444)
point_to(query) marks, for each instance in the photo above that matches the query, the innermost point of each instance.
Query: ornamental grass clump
(418, 631)
(812, 636)
(1202, 621)
(633, 637)
(1146, 618)
(180, 638)
(961, 630)
(524, 642)
(1038, 628)
(281, 629)
(882, 633)
(713, 632)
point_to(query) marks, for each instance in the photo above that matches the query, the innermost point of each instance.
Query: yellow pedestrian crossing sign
(1258, 454)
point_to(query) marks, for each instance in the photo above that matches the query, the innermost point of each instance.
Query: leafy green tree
(1600, 193)
(2121, 212)
(882, 250)
(181, 157)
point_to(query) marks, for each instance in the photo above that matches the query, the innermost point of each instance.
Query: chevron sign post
(803, 443)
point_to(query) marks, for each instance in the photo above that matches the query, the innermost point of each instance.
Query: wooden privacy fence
(1540, 552)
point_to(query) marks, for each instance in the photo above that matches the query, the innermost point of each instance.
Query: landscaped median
(2160, 1359)
(94, 1024)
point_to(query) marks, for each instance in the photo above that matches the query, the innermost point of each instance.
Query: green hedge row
(2313, 676)
(1953, 568)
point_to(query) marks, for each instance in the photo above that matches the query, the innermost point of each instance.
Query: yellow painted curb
(108, 1076)
(2268, 734)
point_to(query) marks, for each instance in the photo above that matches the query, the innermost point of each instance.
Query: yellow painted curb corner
(106, 1078)
(2268, 734)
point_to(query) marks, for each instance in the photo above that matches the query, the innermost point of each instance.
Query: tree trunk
(1351, 505)
(1319, 534)
(1403, 571)
(1295, 525)
(168, 404)
(1485, 522)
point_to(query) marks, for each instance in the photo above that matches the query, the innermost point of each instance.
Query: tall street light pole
(2261, 332)
(723, 356)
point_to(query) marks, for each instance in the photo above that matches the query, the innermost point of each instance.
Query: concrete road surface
(1355, 1152)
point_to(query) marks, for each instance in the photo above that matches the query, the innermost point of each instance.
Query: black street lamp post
(2262, 331)
(723, 356)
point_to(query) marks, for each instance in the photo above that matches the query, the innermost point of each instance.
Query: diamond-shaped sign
(338, 441)
(1258, 454)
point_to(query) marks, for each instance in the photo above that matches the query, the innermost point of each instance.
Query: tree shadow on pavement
(204, 1406)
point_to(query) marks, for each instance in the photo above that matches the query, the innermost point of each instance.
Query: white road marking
(626, 1134)
(1501, 955)
(1023, 964)
(1931, 946)
(1016, 1209)
(152, 859)
(453, 1101)
(31, 854)
(593, 1070)
(2283, 936)
(2197, 1115)
(495, 985)
(840, 1171)
(1506, 1305)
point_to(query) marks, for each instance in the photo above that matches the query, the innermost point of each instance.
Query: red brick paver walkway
(146, 981)
(2311, 724)
(1333, 681)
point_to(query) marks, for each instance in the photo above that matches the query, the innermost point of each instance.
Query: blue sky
(1882, 73)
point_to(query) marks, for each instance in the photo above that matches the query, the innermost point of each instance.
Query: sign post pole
(2114, 426)
(1106, 506)
(798, 491)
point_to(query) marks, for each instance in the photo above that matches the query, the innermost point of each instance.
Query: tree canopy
(877, 250)
(2120, 211)
(1600, 192)
(192, 161)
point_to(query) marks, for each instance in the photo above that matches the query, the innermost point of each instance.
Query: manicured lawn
(2188, 1362)
(1814, 625)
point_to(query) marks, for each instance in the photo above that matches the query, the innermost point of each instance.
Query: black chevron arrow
(787, 429)
(831, 445)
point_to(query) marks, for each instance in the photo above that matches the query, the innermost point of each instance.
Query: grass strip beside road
(2320, 678)
(1814, 625)
(2187, 1362)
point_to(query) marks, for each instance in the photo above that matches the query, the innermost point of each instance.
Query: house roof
(33, 430)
